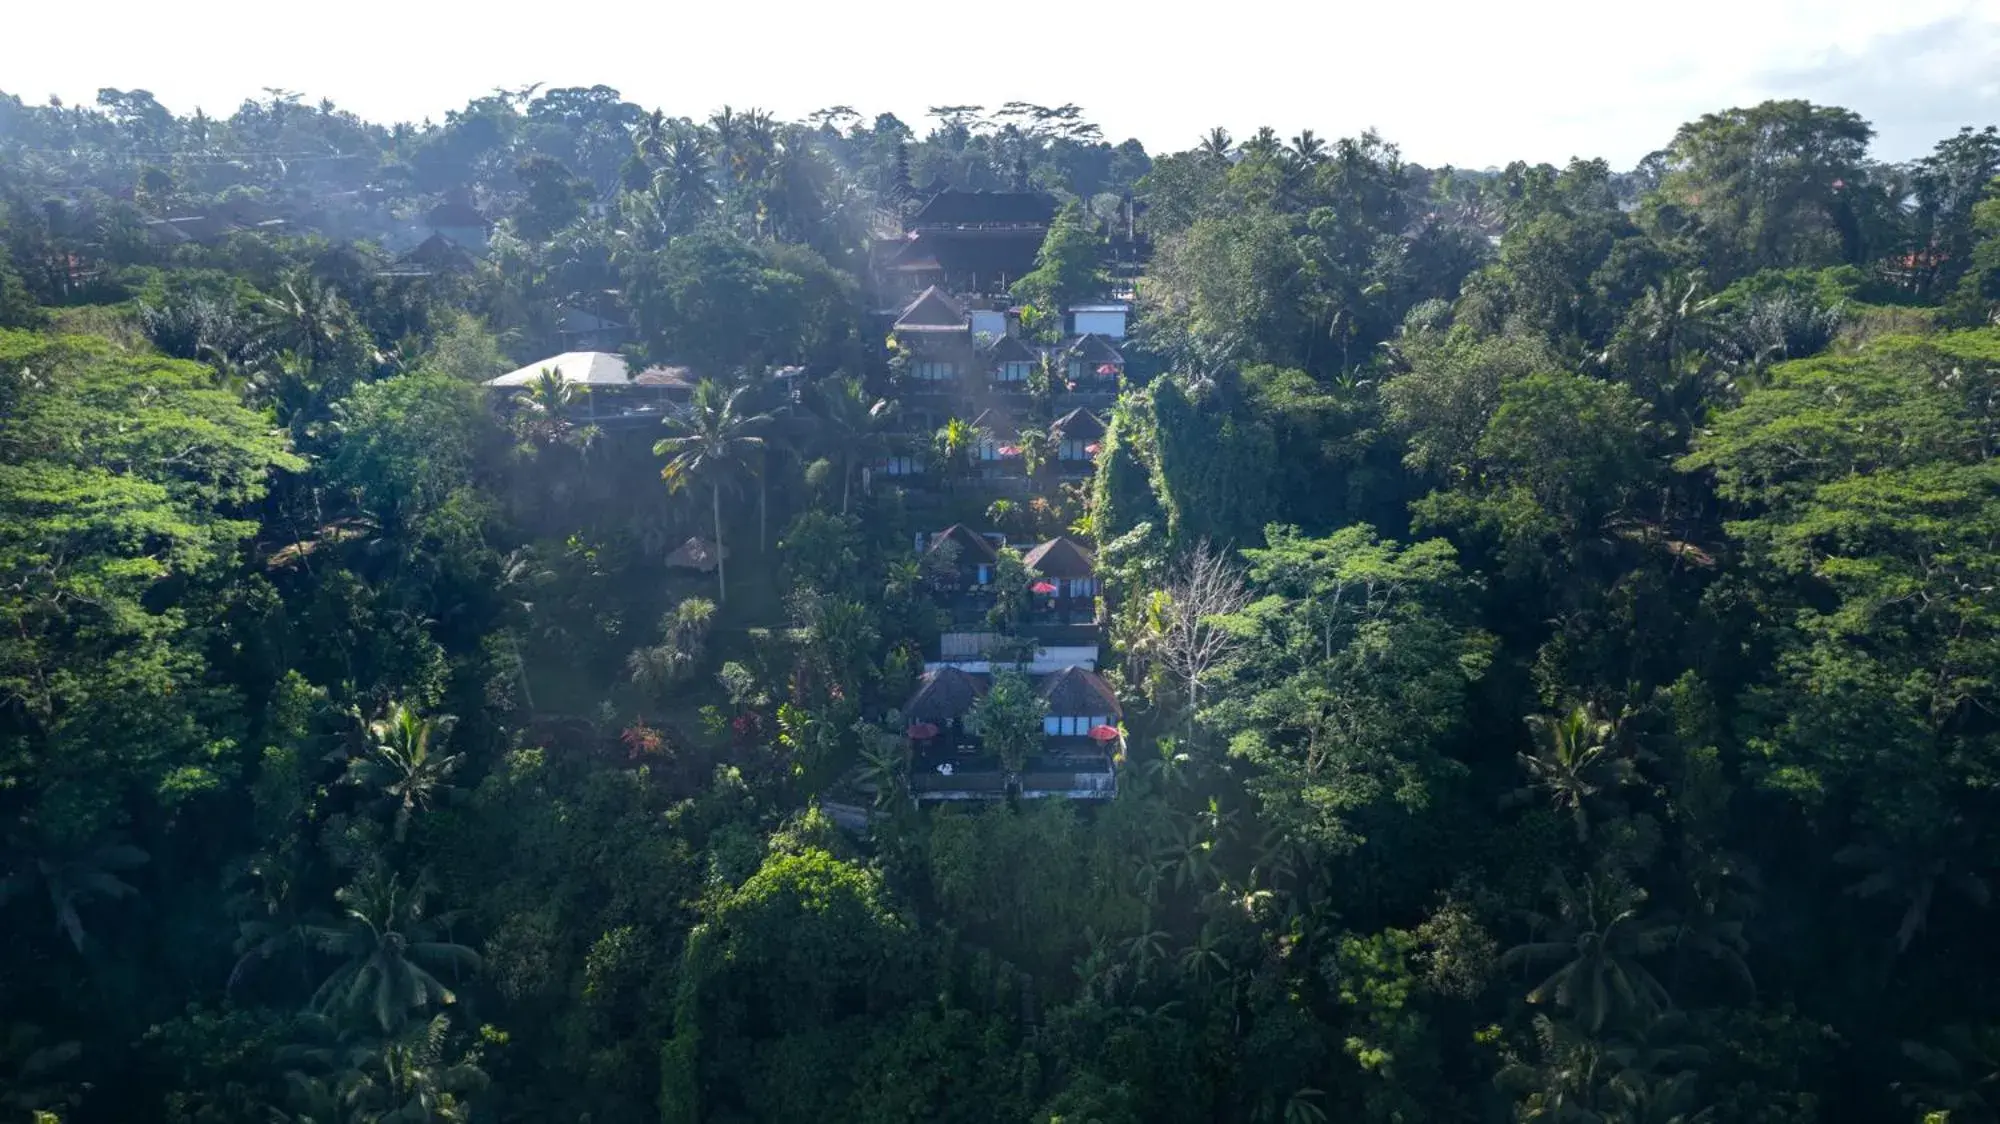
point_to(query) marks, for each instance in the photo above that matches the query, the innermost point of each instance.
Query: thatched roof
(1010, 349)
(1061, 558)
(1094, 349)
(944, 695)
(1078, 425)
(997, 423)
(698, 554)
(1079, 691)
(933, 311)
(972, 546)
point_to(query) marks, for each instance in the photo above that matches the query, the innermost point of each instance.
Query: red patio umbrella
(1093, 448)
(1042, 587)
(1009, 450)
(1107, 370)
(1104, 733)
(921, 731)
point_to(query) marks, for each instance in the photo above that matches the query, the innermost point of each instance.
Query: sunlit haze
(1464, 82)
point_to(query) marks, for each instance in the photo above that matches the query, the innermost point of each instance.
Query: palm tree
(1961, 1074)
(1308, 148)
(855, 429)
(885, 766)
(29, 1086)
(391, 949)
(271, 922)
(1597, 940)
(72, 878)
(1575, 761)
(413, 1079)
(341, 1077)
(402, 765)
(1216, 143)
(546, 404)
(956, 442)
(710, 441)
(1914, 874)
(304, 317)
(1038, 450)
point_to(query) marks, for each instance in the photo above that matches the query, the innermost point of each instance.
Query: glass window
(1051, 725)
(934, 371)
(1012, 372)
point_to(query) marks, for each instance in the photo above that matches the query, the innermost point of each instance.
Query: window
(934, 371)
(1012, 372)
(1072, 725)
(1072, 450)
(985, 574)
(1081, 587)
(1075, 369)
(902, 466)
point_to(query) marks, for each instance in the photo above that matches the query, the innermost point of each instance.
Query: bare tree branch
(1202, 587)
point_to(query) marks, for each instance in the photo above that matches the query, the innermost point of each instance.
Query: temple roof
(952, 207)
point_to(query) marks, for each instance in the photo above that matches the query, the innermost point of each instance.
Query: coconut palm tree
(855, 427)
(391, 948)
(304, 317)
(1960, 1074)
(1915, 873)
(71, 878)
(1575, 761)
(710, 442)
(1597, 941)
(402, 765)
(546, 404)
(955, 444)
(1217, 144)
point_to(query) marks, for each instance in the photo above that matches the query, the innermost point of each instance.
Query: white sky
(1466, 82)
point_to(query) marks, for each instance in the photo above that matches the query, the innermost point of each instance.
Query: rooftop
(972, 546)
(1078, 425)
(1094, 349)
(932, 311)
(596, 368)
(698, 554)
(952, 207)
(944, 694)
(1076, 690)
(1061, 557)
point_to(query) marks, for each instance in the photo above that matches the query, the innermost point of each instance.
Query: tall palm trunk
(721, 580)
(846, 481)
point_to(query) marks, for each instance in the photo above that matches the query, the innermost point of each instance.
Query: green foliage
(1360, 660)
(1009, 719)
(1552, 616)
(1067, 269)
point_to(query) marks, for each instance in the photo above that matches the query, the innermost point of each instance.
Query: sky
(1470, 83)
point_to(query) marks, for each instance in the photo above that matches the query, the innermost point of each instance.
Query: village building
(613, 393)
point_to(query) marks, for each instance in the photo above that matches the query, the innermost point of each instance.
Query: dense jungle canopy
(1551, 613)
